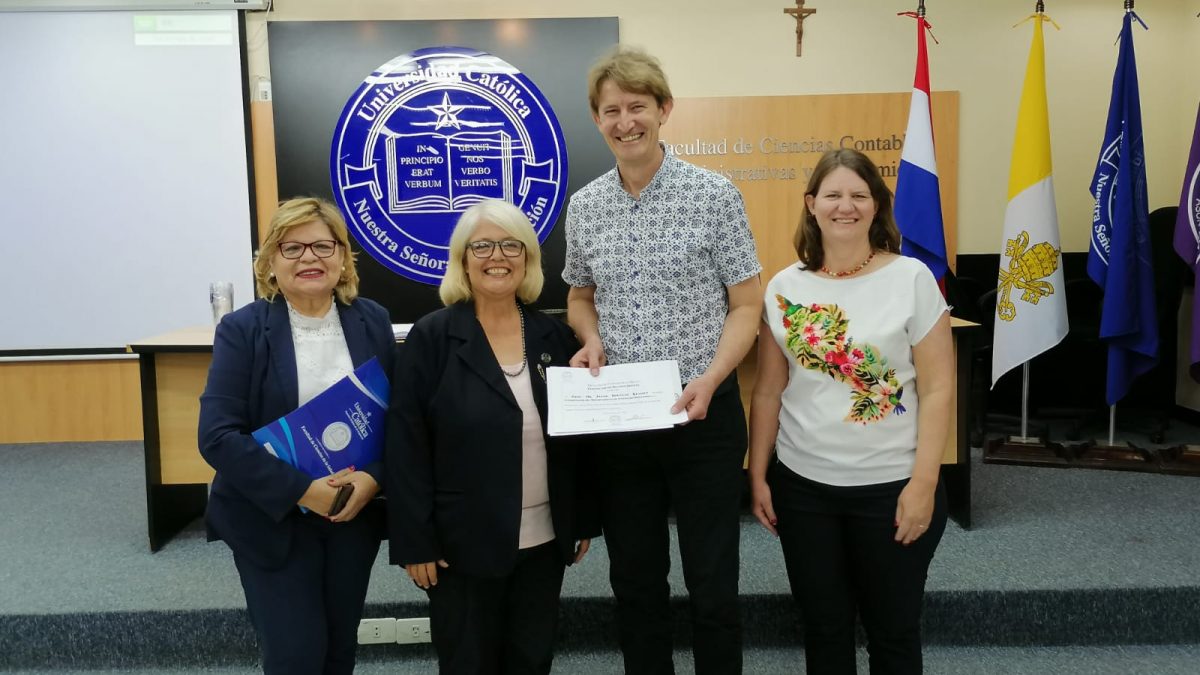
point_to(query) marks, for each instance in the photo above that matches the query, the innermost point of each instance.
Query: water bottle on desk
(220, 294)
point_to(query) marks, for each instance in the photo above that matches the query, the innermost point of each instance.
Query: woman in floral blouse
(848, 421)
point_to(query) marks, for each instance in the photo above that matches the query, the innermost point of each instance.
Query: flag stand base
(1180, 460)
(1183, 460)
(1025, 450)
(1118, 457)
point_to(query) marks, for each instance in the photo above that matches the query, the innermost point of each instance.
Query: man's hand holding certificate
(627, 397)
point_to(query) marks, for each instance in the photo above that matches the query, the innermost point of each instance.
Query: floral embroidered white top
(849, 413)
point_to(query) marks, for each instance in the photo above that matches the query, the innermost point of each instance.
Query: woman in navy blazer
(304, 574)
(484, 509)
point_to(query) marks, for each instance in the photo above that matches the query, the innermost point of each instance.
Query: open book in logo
(433, 132)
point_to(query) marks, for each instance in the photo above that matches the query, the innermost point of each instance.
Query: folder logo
(432, 132)
(336, 436)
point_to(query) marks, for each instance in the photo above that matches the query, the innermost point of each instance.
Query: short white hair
(456, 286)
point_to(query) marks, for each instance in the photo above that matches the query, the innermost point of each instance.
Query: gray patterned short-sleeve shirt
(660, 263)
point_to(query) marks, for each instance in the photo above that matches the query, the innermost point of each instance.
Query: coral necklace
(852, 270)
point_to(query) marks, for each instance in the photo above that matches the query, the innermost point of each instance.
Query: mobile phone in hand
(340, 499)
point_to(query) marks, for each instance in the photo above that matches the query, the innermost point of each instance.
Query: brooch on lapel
(545, 361)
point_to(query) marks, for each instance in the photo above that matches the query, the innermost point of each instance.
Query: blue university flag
(1119, 255)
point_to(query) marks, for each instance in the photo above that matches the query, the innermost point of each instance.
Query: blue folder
(340, 427)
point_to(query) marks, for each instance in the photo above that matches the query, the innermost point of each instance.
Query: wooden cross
(800, 12)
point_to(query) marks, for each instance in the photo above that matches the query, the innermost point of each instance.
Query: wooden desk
(956, 462)
(174, 369)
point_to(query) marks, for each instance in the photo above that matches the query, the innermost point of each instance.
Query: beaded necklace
(852, 270)
(524, 362)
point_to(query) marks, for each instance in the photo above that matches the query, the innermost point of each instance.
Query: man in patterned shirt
(662, 265)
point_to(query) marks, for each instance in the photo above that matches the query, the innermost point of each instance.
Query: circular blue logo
(429, 134)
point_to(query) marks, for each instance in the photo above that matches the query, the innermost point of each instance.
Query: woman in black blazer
(484, 509)
(305, 576)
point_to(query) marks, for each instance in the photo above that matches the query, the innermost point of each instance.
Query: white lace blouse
(322, 356)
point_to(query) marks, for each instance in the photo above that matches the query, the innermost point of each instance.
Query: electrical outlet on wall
(376, 631)
(411, 631)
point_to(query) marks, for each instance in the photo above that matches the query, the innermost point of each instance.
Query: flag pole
(1039, 8)
(917, 205)
(1119, 254)
(1030, 261)
(1025, 402)
(1025, 437)
(1112, 409)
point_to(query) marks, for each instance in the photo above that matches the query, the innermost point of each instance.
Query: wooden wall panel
(266, 183)
(768, 146)
(61, 401)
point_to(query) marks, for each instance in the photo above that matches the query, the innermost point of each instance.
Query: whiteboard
(123, 173)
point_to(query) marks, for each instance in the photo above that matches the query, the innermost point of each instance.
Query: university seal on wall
(429, 134)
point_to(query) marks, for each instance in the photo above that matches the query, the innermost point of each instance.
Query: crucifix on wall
(800, 13)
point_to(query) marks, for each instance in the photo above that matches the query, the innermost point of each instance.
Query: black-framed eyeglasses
(510, 248)
(322, 248)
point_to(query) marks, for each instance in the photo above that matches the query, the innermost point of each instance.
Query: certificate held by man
(340, 427)
(626, 397)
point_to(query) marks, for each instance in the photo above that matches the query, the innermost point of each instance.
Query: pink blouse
(536, 525)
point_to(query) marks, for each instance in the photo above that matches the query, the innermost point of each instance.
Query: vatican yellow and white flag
(1031, 301)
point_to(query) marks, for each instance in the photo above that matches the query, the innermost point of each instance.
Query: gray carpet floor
(1124, 660)
(75, 538)
(75, 542)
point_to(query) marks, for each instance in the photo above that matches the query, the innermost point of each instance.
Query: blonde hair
(456, 286)
(294, 213)
(633, 70)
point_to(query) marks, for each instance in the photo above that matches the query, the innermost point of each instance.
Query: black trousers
(695, 470)
(306, 613)
(504, 625)
(842, 560)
